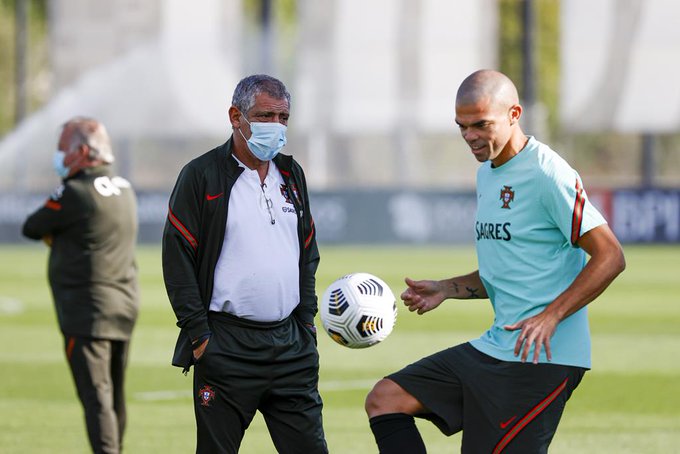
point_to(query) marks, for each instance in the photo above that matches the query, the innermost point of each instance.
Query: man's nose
(469, 135)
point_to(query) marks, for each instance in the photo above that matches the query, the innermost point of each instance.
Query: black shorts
(500, 406)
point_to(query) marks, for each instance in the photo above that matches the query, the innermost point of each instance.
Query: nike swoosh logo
(213, 197)
(506, 423)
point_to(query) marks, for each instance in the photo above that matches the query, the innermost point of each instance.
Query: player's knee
(372, 403)
(381, 398)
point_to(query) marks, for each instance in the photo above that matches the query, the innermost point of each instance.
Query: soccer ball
(358, 310)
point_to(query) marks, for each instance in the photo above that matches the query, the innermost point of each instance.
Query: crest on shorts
(507, 196)
(206, 394)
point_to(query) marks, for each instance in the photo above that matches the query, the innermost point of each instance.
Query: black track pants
(98, 369)
(270, 367)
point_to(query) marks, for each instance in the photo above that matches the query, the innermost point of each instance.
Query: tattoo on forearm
(473, 292)
(455, 288)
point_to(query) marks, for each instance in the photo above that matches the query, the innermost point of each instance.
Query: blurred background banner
(404, 216)
(373, 89)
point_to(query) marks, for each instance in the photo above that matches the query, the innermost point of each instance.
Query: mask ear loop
(241, 132)
(239, 128)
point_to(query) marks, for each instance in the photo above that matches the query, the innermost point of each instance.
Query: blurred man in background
(239, 263)
(90, 222)
(534, 226)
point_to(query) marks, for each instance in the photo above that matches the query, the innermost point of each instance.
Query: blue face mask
(58, 164)
(266, 140)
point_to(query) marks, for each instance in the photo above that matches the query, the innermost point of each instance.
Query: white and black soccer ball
(358, 310)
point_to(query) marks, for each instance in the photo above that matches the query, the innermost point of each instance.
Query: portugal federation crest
(507, 196)
(293, 188)
(206, 394)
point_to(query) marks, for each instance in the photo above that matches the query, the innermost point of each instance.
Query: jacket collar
(103, 169)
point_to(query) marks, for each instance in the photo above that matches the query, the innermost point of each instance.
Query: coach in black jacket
(90, 222)
(239, 263)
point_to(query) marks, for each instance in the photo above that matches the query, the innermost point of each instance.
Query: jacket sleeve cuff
(199, 330)
(305, 314)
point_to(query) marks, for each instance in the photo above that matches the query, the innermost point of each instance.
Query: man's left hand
(535, 331)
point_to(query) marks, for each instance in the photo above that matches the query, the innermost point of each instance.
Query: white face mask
(266, 140)
(58, 164)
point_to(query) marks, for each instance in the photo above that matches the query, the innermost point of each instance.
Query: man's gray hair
(251, 86)
(90, 132)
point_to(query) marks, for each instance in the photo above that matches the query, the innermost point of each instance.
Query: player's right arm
(423, 296)
(180, 257)
(64, 207)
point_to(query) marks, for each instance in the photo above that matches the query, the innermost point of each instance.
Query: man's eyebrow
(475, 124)
(270, 112)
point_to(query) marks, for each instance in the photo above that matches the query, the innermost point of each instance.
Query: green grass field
(628, 403)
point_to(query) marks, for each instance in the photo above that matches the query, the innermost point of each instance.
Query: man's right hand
(198, 351)
(422, 296)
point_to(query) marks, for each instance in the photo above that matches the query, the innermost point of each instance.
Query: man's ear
(515, 113)
(235, 117)
(90, 153)
(84, 155)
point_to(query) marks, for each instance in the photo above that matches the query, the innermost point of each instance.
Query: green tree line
(37, 66)
(510, 52)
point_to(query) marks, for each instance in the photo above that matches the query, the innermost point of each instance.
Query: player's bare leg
(390, 410)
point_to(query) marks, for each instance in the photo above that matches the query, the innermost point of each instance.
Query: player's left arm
(606, 262)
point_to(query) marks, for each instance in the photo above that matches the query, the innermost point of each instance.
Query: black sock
(396, 433)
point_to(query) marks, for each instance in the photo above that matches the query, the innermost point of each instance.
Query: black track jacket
(92, 219)
(194, 233)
